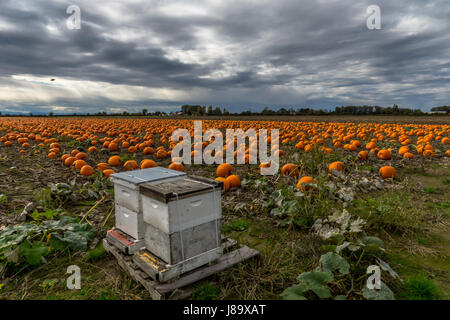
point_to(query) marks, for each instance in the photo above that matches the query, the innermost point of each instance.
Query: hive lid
(179, 188)
(147, 175)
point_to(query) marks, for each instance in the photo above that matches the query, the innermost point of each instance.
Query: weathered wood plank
(180, 288)
(223, 263)
(138, 275)
(228, 243)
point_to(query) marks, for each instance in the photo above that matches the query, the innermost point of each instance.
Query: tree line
(339, 110)
(198, 110)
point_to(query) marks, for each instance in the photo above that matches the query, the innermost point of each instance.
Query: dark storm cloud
(238, 54)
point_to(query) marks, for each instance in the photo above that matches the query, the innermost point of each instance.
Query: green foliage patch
(29, 243)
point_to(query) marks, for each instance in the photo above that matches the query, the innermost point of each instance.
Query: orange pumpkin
(160, 154)
(130, 165)
(384, 154)
(79, 164)
(176, 166)
(148, 163)
(388, 172)
(52, 155)
(69, 161)
(363, 155)
(114, 161)
(64, 157)
(302, 184)
(226, 184)
(132, 149)
(428, 153)
(102, 166)
(113, 146)
(81, 155)
(408, 155)
(289, 169)
(87, 170)
(234, 181)
(224, 170)
(148, 151)
(337, 165)
(108, 172)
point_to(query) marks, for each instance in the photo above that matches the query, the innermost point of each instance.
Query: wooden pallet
(181, 288)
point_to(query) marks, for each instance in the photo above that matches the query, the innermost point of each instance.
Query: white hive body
(177, 217)
(128, 203)
(182, 218)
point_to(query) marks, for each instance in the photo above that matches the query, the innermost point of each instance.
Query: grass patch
(430, 190)
(392, 211)
(419, 287)
(96, 254)
(207, 291)
(107, 294)
(367, 168)
(422, 240)
(283, 255)
(237, 225)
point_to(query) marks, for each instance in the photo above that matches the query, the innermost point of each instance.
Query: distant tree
(217, 111)
(210, 110)
(144, 112)
(246, 113)
(442, 108)
(267, 111)
(395, 108)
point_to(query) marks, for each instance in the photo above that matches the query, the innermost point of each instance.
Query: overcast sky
(158, 55)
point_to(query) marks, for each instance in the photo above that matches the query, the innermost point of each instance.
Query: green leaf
(2, 198)
(373, 240)
(13, 235)
(34, 253)
(383, 294)
(342, 246)
(12, 255)
(340, 297)
(276, 212)
(315, 281)
(295, 292)
(66, 232)
(332, 261)
(47, 215)
(77, 236)
(47, 283)
(386, 267)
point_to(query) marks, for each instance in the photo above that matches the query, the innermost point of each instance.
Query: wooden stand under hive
(182, 287)
(167, 231)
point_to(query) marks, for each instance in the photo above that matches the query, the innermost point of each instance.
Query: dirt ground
(286, 250)
(435, 119)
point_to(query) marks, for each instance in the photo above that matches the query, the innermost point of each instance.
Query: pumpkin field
(349, 194)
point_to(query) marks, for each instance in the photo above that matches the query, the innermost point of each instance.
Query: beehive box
(128, 202)
(182, 219)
